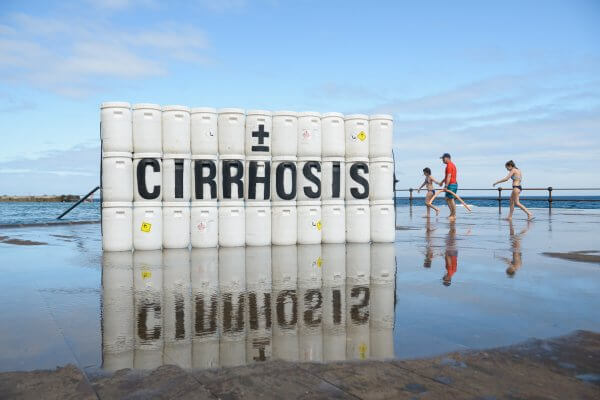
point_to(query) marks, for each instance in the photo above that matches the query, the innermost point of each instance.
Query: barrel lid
(116, 104)
(381, 116)
(332, 114)
(230, 110)
(258, 112)
(231, 203)
(147, 203)
(285, 203)
(308, 203)
(258, 158)
(204, 157)
(231, 157)
(176, 204)
(356, 116)
(309, 114)
(309, 158)
(357, 202)
(333, 159)
(357, 159)
(382, 159)
(332, 202)
(147, 155)
(176, 107)
(258, 203)
(282, 113)
(172, 156)
(107, 154)
(146, 106)
(107, 204)
(284, 158)
(210, 110)
(204, 203)
(382, 202)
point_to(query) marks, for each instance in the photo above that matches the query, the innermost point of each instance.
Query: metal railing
(500, 199)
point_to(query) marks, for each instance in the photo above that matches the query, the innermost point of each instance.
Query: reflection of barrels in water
(334, 323)
(358, 308)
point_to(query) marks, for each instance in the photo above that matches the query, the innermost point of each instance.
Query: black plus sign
(261, 134)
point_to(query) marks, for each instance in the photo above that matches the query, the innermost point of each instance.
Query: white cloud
(223, 5)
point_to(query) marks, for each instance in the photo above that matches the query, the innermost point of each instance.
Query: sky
(484, 81)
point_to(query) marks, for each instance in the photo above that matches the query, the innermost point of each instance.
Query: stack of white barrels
(174, 177)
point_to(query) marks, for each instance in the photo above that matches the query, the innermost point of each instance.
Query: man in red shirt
(450, 183)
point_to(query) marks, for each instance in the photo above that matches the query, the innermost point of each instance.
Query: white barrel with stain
(333, 178)
(204, 224)
(381, 178)
(285, 131)
(176, 130)
(288, 178)
(205, 168)
(308, 182)
(358, 310)
(333, 221)
(358, 263)
(259, 124)
(117, 176)
(381, 141)
(358, 221)
(176, 225)
(203, 131)
(232, 125)
(356, 190)
(117, 222)
(258, 223)
(151, 169)
(232, 224)
(147, 225)
(334, 264)
(115, 126)
(310, 265)
(383, 263)
(334, 322)
(176, 177)
(147, 128)
(284, 224)
(356, 128)
(309, 134)
(231, 177)
(333, 142)
(260, 168)
(309, 221)
(383, 221)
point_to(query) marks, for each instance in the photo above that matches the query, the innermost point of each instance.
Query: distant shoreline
(63, 198)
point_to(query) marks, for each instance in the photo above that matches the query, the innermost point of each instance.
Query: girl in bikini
(428, 183)
(515, 174)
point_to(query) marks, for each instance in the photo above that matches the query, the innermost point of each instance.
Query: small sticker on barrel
(146, 227)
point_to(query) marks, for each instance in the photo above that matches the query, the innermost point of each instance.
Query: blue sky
(484, 81)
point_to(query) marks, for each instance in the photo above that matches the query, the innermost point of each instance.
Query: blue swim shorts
(453, 187)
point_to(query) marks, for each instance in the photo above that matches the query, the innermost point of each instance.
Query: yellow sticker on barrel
(361, 136)
(362, 351)
(319, 225)
(146, 274)
(319, 262)
(146, 227)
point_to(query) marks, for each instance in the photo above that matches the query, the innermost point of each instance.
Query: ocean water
(34, 213)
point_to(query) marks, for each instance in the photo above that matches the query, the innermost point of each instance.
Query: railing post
(549, 198)
(410, 196)
(499, 200)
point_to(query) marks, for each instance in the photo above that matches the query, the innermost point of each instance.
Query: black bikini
(518, 187)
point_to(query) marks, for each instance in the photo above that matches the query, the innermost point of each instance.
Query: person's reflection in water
(451, 255)
(515, 244)
(429, 254)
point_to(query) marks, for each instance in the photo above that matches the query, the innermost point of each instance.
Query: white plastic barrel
(333, 143)
(333, 221)
(383, 222)
(205, 168)
(358, 263)
(309, 222)
(307, 189)
(288, 178)
(284, 223)
(203, 131)
(383, 263)
(147, 225)
(310, 266)
(381, 178)
(147, 128)
(176, 130)
(256, 167)
(176, 177)
(117, 222)
(357, 135)
(333, 178)
(333, 264)
(284, 261)
(358, 221)
(258, 269)
(309, 134)
(259, 126)
(334, 320)
(356, 190)
(231, 188)
(285, 131)
(176, 225)
(115, 126)
(231, 124)
(232, 221)
(152, 171)
(258, 223)
(381, 129)
(117, 176)
(204, 224)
